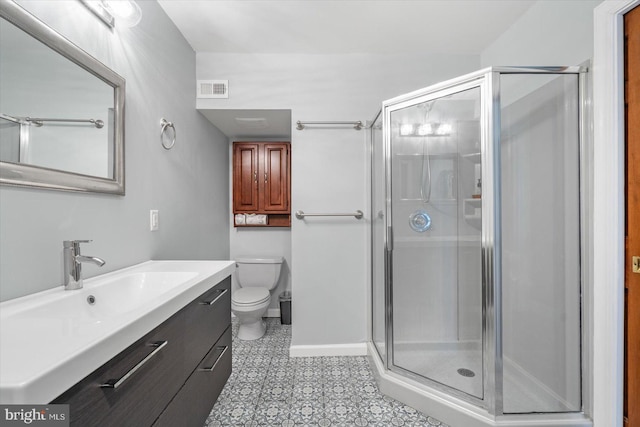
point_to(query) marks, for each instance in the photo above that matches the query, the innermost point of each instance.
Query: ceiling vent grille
(213, 89)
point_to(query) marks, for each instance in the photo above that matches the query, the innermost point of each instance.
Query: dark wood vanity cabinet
(262, 180)
(170, 377)
(192, 406)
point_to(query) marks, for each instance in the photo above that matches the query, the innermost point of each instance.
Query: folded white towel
(240, 219)
(256, 219)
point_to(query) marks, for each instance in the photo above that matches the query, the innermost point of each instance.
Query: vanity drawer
(134, 387)
(206, 320)
(193, 403)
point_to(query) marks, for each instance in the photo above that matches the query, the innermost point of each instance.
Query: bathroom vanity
(175, 372)
(156, 353)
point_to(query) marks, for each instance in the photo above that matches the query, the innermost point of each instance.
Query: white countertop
(52, 339)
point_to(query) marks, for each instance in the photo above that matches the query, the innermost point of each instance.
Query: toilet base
(252, 331)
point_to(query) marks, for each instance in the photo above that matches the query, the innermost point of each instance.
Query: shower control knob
(420, 221)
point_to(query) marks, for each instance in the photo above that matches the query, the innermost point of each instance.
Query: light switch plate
(154, 220)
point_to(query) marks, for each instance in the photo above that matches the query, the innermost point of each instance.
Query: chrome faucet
(73, 263)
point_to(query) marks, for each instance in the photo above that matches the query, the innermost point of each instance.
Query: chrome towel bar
(39, 121)
(357, 214)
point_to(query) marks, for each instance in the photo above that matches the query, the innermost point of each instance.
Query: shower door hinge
(635, 264)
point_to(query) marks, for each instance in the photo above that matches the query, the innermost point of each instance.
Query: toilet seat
(250, 296)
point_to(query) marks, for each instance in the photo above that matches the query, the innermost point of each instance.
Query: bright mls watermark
(34, 415)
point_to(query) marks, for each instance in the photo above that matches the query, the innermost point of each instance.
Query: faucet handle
(74, 243)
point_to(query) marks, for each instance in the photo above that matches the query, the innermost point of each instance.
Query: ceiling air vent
(213, 89)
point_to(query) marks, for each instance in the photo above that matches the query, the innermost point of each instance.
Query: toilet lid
(250, 296)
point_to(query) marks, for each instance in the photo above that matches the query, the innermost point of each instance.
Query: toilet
(257, 277)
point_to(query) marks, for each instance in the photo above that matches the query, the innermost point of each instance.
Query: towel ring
(164, 133)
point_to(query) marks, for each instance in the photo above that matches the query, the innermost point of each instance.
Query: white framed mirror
(61, 110)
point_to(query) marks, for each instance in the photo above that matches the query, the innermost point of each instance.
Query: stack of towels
(251, 219)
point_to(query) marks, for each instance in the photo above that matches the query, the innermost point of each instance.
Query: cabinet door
(276, 179)
(245, 177)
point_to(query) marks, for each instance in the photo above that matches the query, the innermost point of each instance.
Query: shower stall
(476, 248)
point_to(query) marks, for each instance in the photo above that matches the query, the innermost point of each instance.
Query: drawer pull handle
(117, 383)
(221, 292)
(222, 351)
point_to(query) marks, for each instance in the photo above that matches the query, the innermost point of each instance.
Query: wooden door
(245, 177)
(632, 279)
(276, 181)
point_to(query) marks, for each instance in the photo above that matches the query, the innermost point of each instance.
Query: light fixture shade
(126, 12)
(444, 129)
(121, 13)
(425, 129)
(406, 129)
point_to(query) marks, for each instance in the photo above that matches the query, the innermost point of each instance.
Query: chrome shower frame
(447, 403)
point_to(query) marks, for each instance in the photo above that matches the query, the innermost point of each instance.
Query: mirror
(61, 110)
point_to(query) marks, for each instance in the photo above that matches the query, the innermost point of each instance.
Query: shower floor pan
(451, 364)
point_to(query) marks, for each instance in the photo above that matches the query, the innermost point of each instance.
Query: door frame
(608, 212)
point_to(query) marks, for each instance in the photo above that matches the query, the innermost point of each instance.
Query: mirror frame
(16, 174)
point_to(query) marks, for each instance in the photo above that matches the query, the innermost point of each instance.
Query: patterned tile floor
(268, 388)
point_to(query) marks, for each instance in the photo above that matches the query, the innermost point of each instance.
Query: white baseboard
(354, 349)
(273, 312)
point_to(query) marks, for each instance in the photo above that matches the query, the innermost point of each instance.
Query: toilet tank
(261, 272)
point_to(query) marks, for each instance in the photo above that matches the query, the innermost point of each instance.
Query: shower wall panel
(378, 248)
(540, 243)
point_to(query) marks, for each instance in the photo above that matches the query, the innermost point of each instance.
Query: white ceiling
(333, 27)
(272, 124)
(343, 26)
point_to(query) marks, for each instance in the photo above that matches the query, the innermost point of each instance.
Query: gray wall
(558, 32)
(189, 185)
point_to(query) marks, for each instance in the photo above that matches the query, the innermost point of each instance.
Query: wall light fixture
(426, 129)
(125, 13)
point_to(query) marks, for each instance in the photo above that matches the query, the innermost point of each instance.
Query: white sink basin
(102, 297)
(52, 339)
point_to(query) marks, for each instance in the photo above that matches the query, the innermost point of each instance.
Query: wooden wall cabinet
(262, 181)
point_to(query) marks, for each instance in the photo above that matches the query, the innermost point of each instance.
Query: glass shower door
(433, 143)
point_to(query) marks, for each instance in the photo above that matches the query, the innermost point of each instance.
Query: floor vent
(213, 89)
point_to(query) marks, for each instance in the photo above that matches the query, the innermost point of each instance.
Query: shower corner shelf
(472, 212)
(472, 157)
